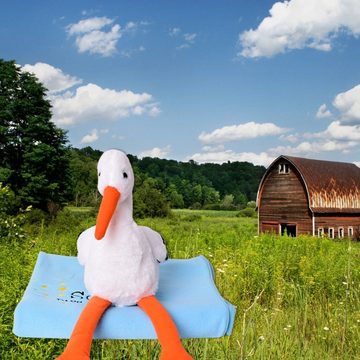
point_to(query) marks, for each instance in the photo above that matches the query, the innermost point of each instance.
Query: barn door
(289, 229)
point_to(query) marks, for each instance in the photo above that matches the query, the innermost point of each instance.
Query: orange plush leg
(78, 347)
(165, 328)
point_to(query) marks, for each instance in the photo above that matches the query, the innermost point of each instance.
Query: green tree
(149, 201)
(228, 202)
(240, 199)
(196, 194)
(84, 178)
(210, 195)
(175, 199)
(33, 154)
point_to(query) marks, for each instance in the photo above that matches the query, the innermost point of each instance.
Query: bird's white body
(124, 266)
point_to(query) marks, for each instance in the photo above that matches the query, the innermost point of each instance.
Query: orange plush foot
(65, 356)
(165, 328)
(78, 347)
(180, 354)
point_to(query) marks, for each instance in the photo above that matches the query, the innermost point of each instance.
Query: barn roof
(331, 186)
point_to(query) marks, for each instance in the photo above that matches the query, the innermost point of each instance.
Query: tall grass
(296, 298)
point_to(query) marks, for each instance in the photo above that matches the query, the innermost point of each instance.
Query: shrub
(11, 226)
(149, 201)
(247, 212)
(9, 204)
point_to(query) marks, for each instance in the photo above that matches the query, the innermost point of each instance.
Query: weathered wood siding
(283, 199)
(337, 221)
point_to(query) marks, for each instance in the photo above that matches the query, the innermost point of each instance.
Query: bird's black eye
(99, 173)
(125, 175)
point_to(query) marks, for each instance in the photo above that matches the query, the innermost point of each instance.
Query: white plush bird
(123, 268)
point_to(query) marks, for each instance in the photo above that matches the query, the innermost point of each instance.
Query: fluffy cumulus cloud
(100, 35)
(339, 131)
(291, 138)
(220, 157)
(51, 77)
(343, 133)
(297, 24)
(337, 136)
(348, 104)
(89, 102)
(156, 152)
(247, 130)
(323, 112)
(308, 148)
(92, 102)
(90, 138)
(96, 35)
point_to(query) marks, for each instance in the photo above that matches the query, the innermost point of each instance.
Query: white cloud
(90, 138)
(357, 163)
(93, 38)
(292, 138)
(319, 146)
(297, 24)
(156, 152)
(348, 104)
(118, 137)
(220, 157)
(213, 148)
(88, 25)
(174, 31)
(247, 130)
(131, 52)
(183, 46)
(338, 131)
(53, 78)
(91, 102)
(99, 42)
(134, 26)
(188, 39)
(323, 112)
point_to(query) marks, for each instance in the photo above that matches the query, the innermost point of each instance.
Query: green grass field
(296, 298)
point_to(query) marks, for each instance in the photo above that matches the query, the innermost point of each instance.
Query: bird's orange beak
(107, 208)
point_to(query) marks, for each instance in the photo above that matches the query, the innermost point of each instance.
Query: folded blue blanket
(56, 296)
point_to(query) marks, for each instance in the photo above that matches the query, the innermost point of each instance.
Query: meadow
(296, 298)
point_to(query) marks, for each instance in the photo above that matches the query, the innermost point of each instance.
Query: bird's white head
(115, 184)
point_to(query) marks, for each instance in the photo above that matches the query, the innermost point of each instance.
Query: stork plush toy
(121, 263)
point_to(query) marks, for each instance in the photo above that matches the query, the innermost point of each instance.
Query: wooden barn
(305, 196)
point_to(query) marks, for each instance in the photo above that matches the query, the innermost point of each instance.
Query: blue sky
(212, 81)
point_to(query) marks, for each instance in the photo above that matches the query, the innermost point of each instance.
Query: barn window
(284, 168)
(350, 231)
(340, 232)
(331, 233)
(320, 232)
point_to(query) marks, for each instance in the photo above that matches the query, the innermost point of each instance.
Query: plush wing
(83, 245)
(156, 242)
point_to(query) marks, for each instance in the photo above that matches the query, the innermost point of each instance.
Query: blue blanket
(56, 296)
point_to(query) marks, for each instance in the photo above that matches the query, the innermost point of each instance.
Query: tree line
(229, 186)
(40, 168)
